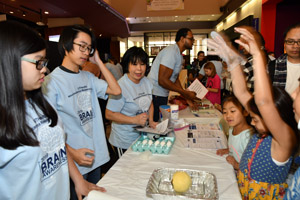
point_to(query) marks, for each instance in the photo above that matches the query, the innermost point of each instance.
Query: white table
(128, 178)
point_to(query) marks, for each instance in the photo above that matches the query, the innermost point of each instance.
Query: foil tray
(204, 185)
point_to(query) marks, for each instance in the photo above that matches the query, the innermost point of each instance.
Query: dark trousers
(158, 101)
(92, 177)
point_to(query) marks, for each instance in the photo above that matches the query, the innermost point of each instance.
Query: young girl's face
(32, 78)
(258, 123)
(233, 115)
(207, 72)
(136, 71)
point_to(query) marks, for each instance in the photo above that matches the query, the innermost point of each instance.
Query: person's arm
(82, 187)
(285, 138)
(164, 76)
(152, 123)
(113, 86)
(233, 59)
(124, 119)
(239, 86)
(216, 90)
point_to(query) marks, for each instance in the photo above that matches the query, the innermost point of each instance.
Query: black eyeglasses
(83, 48)
(292, 42)
(192, 39)
(39, 64)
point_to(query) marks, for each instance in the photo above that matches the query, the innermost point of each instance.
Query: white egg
(145, 142)
(162, 143)
(169, 143)
(156, 143)
(150, 142)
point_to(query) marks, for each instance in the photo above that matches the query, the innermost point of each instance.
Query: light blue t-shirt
(39, 172)
(171, 58)
(293, 192)
(237, 143)
(135, 99)
(75, 97)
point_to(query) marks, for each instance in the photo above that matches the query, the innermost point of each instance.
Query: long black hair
(284, 105)
(17, 40)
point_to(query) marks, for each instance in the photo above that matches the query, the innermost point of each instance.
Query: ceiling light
(11, 12)
(100, 35)
(149, 21)
(176, 16)
(147, 17)
(46, 12)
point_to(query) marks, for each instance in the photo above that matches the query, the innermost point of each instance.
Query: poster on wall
(157, 5)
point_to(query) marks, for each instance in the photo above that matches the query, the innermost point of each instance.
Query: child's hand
(233, 162)
(249, 39)
(221, 152)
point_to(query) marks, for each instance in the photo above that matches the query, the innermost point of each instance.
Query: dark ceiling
(95, 13)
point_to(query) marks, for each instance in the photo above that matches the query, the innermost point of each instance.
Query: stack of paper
(205, 136)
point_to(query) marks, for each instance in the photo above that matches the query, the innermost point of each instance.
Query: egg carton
(161, 145)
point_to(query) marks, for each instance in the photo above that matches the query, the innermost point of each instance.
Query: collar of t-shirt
(67, 70)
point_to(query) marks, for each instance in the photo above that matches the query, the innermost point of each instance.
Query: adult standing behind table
(285, 70)
(165, 70)
(74, 95)
(134, 106)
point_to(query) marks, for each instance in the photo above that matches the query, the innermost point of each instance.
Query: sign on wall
(156, 5)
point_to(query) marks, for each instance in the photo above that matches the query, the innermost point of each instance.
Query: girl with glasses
(34, 163)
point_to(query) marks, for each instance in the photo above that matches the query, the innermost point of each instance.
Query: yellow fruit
(181, 181)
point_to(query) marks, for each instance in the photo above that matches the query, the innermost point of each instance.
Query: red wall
(268, 22)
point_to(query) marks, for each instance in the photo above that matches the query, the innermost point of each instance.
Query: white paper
(205, 136)
(96, 195)
(161, 128)
(199, 88)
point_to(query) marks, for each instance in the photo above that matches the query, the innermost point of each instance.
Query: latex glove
(224, 50)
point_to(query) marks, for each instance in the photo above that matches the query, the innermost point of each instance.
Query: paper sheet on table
(96, 195)
(199, 88)
(161, 128)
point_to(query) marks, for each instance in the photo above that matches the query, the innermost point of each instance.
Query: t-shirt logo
(85, 112)
(52, 144)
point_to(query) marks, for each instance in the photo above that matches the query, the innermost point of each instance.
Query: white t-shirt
(237, 143)
(293, 74)
(36, 172)
(135, 99)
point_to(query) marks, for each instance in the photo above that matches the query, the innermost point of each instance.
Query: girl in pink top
(213, 83)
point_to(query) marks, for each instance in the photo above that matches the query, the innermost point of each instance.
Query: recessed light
(46, 12)
(147, 17)
(176, 16)
(11, 12)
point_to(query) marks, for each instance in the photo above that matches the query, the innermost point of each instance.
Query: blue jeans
(92, 177)
(158, 101)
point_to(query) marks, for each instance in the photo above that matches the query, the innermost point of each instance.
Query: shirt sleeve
(49, 90)
(115, 103)
(100, 87)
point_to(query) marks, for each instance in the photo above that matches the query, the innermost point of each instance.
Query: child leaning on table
(239, 132)
(267, 158)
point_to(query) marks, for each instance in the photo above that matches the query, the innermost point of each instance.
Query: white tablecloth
(128, 178)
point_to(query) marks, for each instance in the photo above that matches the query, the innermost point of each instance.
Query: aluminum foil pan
(204, 185)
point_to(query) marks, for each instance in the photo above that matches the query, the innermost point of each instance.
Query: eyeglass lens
(292, 42)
